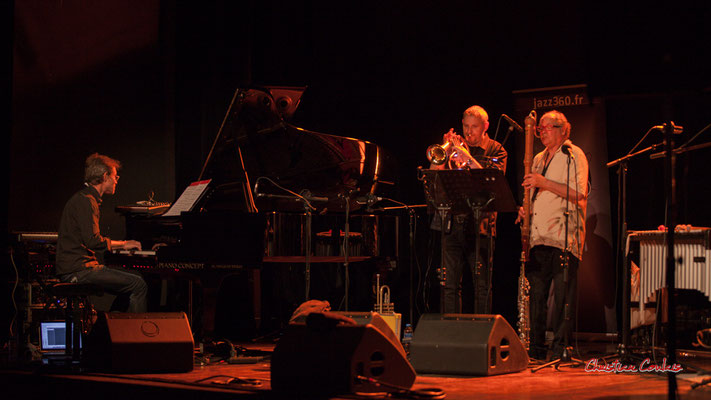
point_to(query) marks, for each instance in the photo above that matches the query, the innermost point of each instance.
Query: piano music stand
(462, 192)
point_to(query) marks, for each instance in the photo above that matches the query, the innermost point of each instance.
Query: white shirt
(548, 219)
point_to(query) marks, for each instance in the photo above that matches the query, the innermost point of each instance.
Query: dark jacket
(79, 235)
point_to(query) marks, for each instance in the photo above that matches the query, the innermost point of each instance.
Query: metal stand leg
(442, 271)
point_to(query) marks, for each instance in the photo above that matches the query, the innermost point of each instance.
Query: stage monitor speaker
(140, 342)
(365, 318)
(466, 344)
(327, 352)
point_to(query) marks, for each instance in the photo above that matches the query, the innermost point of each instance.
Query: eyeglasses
(547, 128)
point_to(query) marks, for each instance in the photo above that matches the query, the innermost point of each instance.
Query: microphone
(308, 196)
(676, 128)
(368, 199)
(318, 199)
(566, 150)
(512, 123)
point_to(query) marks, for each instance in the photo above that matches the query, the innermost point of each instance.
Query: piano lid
(256, 135)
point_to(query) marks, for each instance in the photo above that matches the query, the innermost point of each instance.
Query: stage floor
(249, 381)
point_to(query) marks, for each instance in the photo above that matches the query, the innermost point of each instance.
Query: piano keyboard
(45, 237)
(691, 249)
(137, 253)
(149, 260)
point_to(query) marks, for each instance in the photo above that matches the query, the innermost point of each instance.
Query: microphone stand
(442, 272)
(477, 205)
(670, 185)
(346, 246)
(567, 349)
(411, 226)
(624, 354)
(307, 255)
(411, 235)
(305, 198)
(508, 133)
(346, 251)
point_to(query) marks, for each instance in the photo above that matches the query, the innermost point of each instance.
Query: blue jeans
(116, 281)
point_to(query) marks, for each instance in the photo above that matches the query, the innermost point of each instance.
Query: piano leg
(255, 280)
(190, 302)
(211, 283)
(210, 290)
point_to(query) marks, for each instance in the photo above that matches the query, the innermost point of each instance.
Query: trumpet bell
(437, 153)
(457, 156)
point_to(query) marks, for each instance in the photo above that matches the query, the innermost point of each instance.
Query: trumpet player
(459, 239)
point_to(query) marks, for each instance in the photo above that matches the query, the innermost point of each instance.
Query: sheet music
(188, 198)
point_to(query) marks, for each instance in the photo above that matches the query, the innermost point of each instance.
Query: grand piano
(278, 194)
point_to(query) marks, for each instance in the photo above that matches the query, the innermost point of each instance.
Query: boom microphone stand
(305, 198)
(412, 221)
(624, 353)
(346, 250)
(670, 185)
(566, 357)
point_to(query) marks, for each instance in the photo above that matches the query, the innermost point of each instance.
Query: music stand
(463, 192)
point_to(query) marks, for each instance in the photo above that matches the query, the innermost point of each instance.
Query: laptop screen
(53, 336)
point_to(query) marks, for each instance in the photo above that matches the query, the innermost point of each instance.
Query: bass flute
(524, 327)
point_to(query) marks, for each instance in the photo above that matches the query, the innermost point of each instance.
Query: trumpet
(453, 151)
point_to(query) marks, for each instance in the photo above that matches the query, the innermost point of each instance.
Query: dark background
(148, 83)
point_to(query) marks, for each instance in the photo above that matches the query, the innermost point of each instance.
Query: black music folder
(462, 190)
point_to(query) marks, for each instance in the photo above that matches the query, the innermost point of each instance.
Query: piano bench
(75, 294)
(68, 290)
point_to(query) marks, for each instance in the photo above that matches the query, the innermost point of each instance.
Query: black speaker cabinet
(325, 356)
(466, 344)
(140, 342)
(365, 318)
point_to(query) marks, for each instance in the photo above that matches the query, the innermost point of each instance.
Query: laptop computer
(53, 338)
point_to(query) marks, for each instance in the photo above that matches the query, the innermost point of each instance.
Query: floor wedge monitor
(466, 344)
(327, 352)
(140, 342)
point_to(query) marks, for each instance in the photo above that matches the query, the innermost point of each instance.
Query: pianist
(80, 238)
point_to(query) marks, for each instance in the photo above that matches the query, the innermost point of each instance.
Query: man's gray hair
(96, 166)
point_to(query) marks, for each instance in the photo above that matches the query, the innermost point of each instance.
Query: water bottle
(407, 339)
